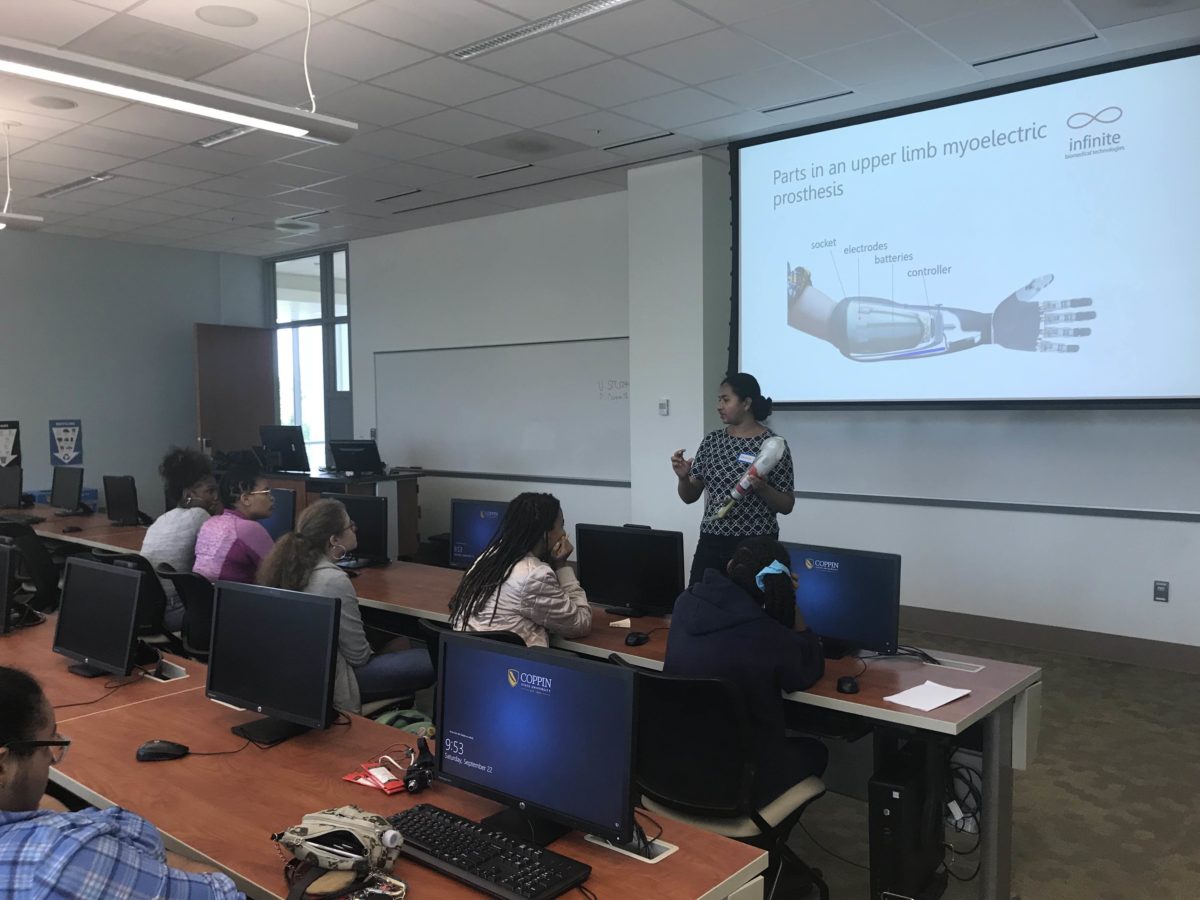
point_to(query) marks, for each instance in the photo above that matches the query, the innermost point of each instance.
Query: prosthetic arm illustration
(871, 329)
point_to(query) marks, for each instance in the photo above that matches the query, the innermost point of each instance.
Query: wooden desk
(224, 808)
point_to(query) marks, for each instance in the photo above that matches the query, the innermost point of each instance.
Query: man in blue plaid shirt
(108, 854)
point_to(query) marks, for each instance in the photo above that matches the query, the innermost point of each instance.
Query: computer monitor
(638, 571)
(283, 514)
(285, 447)
(547, 733)
(473, 524)
(359, 457)
(851, 598)
(7, 584)
(120, 500)
(66, 490)
(97, 617)
(274, 651)
(10, 487)
(370, 515)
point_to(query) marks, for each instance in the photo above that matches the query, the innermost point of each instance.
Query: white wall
(102, 331)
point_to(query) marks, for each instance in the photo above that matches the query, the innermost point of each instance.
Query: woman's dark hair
(526, 521)
(237, 480)
(779, 597)
(291, 561)
(746, 388)
(21, 701)
(181, 468)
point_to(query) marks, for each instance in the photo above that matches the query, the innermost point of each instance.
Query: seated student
(92, 854)
(187, 476)
(521, 581)
(230, 547)
(743, 627)
(304, 560)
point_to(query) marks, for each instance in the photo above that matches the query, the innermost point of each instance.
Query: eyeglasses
(58, 747)
(351, 526)
(252, 493)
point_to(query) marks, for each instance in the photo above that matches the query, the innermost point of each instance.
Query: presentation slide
(1037, 245)
(533, 731)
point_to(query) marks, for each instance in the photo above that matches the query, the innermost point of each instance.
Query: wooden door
(235, 385)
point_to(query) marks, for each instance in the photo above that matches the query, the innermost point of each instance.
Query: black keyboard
(489, 861)
(21, 518)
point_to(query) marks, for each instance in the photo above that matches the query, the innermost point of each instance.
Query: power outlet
(1162, 591)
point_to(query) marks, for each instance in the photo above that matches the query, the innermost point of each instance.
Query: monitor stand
(836, 649)
(86, 671)
(267, 732)
(524, 826)
(632, 612)
(81, 510)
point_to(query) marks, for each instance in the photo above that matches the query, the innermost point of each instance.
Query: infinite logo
(808, 563)
(512, 677)
(1106, 116)
(538, 683)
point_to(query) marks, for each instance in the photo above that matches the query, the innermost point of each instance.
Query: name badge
(746, 458)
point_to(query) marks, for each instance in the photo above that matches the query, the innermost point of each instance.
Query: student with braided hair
(743, 628)
(521, 581)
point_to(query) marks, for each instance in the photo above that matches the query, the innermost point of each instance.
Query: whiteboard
(1139, 459)
(557, 409)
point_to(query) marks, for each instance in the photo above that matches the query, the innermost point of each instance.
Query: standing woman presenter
(720, 462)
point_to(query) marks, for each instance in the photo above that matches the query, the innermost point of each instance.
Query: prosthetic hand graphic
(870, 329)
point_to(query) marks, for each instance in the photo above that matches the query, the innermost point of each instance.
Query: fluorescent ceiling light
(61, 67)
(17, 220)
(76, 185)
(538, 26)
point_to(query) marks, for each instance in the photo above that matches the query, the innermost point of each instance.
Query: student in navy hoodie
(742, 626)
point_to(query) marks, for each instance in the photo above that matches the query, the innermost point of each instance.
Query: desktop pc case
(905, 802)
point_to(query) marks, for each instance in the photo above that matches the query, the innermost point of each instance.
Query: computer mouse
(847, 684)
(71, 529)
(636, 638)
(156, 751)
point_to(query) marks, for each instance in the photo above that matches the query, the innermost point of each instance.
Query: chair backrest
(196, 594)
(432, 632)
(152, 600)
(695, 750)
(37, 565)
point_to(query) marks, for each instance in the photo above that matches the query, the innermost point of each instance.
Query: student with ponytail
(306, 560)
(744, 628)
(521, 581)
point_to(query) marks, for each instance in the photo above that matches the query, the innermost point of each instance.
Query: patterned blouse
(720, 463)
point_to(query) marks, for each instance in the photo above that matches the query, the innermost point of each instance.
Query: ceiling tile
(1107, 13)
(462, 161)
(105, 196)
(200, 197)
(260, 145)
(709, 56)
(457, 127)
(611, 83)
(814, 27)
(294, 176)
(159, 123)
(147, 45)
(584, 161)
(167, 207)
(774, 86)
(529, 107)
(72, 157)
(209, 159)
(276, 20)
(905, 56)
(440, 27)
(1012, 28)
(531, 9)
(326, 7)
(409, 175)
(28, 170)
(21, 95)
(341, 160)
(379, 106)
(33, 127)
(387, 142)
(659, 147)
(729, 127)
(540, 58)
(733, 11)
(128, 187)
(601, 129)
(309, 199)
(228, 217)
(346, 50)
(278, 79)
(164, 174)
(447, 81)
(922, 12)
(53, 22)
(638, 26)
(134, 216)
(685, 107)
(108, 140)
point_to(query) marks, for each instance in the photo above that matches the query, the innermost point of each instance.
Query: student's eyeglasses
(58, 747)
(351, 526)
(252, 493)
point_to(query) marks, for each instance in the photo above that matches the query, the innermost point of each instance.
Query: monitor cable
(112, 688)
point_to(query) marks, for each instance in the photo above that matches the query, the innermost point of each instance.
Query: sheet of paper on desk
(927, 696)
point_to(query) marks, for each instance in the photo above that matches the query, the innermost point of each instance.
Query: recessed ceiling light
(227, 16)
(53, 102)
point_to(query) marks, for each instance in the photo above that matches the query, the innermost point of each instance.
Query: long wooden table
(1005, 697)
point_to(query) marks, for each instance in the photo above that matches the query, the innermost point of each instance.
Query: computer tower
(905, 797)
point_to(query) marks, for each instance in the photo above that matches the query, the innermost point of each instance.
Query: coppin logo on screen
(527, 681)
(821, 565)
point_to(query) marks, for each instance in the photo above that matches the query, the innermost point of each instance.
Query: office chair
(37, 566)
(196, 594)
(709, 786)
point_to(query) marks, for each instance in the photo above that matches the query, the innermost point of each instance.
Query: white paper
(927, 696)
(621, 623)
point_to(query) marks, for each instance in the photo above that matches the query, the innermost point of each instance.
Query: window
(312, 318)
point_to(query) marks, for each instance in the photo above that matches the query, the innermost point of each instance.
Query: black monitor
(547, 733)
(285, 447)
(370, 515)
(851, 598)
(274, 651)
(120, 500)
(473, 524)
(283, 513)
(356, 457)
(635, 570)
(13, 613)
(10, 487)
(66, 490)
(97, 617)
